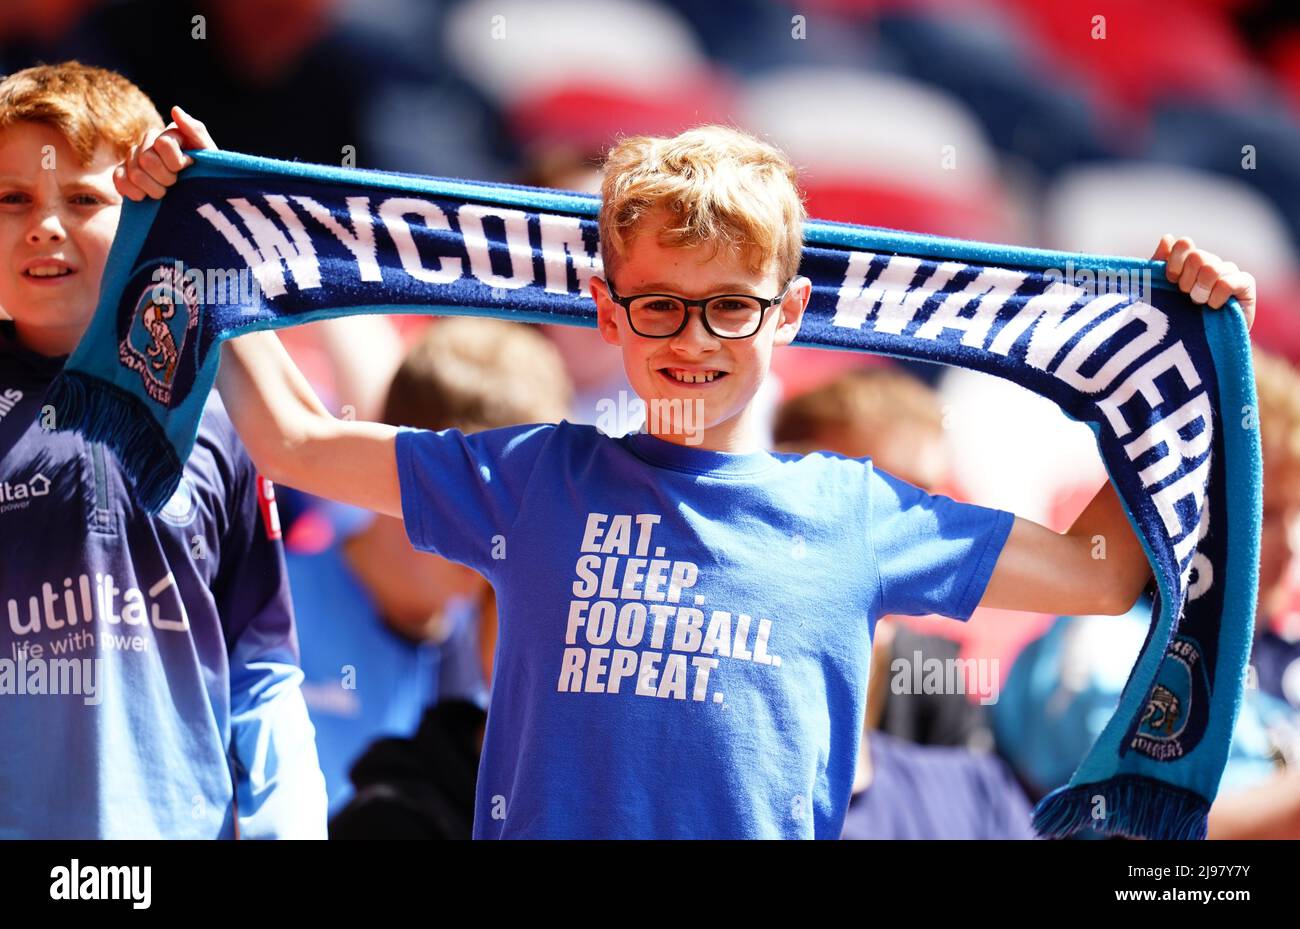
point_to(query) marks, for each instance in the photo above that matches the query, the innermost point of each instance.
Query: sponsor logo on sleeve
(266, 503)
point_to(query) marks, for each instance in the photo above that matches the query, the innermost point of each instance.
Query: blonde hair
(88, 106)
(719, 185)
(472, 373)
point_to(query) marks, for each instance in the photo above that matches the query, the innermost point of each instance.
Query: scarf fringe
(105, 413)
(1136, 807)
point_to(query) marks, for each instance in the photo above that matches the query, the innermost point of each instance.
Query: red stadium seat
(1150, 50)
(1285, 55)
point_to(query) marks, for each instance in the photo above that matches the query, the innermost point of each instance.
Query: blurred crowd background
(1087, 125)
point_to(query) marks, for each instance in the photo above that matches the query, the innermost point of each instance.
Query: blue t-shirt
(363, 681)
(684, 634)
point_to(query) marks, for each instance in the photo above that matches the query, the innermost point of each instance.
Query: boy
(149, 685)
(684, 618)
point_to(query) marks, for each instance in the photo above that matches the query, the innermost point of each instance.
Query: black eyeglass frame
(764, 306)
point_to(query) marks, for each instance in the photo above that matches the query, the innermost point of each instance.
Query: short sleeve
(933, 554)
(461, 493)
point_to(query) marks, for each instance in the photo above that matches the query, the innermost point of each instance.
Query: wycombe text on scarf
(984, 308)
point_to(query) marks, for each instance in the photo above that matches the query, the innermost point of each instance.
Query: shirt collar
(35, 363)
(694, 460)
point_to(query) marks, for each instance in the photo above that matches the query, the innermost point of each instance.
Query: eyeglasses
(725, 316)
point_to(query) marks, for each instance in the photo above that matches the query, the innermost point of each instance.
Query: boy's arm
(294, 440)
(1270, 810)
(1098, 566)
(289, 434)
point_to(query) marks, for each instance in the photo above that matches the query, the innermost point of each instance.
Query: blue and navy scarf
(1167, 388)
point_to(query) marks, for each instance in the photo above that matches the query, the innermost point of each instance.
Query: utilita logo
(14, 491)
(55, 608)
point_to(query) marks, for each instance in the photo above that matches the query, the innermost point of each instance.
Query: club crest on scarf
(1175, 715)
(166, 309)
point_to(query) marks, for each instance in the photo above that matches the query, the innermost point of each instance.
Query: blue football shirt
(181, 621)
(684, 634)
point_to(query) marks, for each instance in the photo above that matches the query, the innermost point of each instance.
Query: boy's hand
(151, 167)
(1206, 277)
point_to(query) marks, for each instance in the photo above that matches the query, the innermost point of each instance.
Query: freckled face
(57, 222)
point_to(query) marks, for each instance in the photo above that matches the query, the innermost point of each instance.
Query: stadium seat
(515, 49)
(881, 150)
(1149, 51)
(1028, 111)
(1123, 208)
(1215, 138)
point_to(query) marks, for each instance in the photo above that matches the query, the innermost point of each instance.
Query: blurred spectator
(1064, 688)
(421, 786)
(907, 791)
(350, 362)
(386, 630)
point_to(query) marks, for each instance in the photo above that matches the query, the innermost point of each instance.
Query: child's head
(472, 374)
(711, 211)
(63, 130)
(882, 413)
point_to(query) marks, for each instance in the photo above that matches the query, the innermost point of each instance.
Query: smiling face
(57, 221)
(725, 374)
